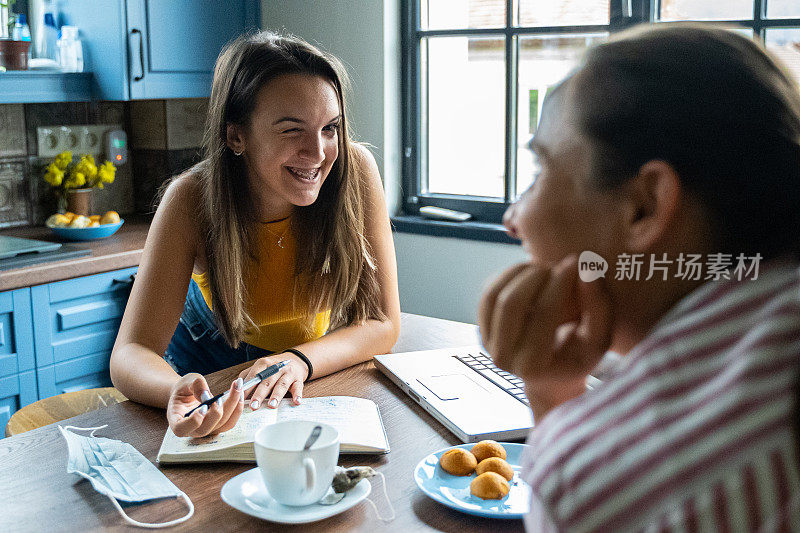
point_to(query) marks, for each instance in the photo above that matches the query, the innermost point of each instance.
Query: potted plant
(73, 183)
(13, 54)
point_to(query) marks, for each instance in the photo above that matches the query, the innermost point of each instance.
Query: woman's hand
(187, 393)
(546, 326)
(289, 378)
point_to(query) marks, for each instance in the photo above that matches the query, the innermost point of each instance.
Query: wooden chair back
(56, 408)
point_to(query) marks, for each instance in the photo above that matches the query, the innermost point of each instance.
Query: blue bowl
(87, 234)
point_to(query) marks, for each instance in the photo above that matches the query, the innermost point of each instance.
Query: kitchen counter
(121, 250)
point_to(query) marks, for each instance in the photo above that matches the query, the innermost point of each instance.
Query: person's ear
(235, 138)
(653, 201)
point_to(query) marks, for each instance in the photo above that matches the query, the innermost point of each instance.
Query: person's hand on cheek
(546, 326)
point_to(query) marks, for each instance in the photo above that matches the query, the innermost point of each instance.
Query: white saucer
(246, 492)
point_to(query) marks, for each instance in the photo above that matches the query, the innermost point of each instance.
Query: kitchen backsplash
(164, 140)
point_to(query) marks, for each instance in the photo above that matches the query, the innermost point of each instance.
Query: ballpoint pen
(255, 380)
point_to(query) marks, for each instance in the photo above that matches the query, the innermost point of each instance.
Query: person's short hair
(712, 104)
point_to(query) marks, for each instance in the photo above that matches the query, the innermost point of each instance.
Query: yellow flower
(63, 159)
(105, 174)
(75, 180)
(87, 168)
(54, 175)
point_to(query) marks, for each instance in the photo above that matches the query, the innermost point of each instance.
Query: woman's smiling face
(291, 142)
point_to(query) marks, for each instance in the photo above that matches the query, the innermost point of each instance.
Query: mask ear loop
(136, 523)
(388, 501)
(86, 429)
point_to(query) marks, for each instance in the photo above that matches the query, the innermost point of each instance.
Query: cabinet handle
(124, 281)
(141, 54)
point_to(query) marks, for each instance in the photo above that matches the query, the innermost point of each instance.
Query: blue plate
(87, 234)
(453, 491)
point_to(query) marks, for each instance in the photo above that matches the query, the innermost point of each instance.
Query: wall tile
(148, 125)
(151, 168)
(14, 203)
(185, 119)
(180, 161)
(117, 196)
(12, 130)
(43, 201)
(106, 113)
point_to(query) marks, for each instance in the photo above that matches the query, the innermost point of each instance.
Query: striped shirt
(692, 431)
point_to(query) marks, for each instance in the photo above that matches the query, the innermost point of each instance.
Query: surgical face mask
(119, 471)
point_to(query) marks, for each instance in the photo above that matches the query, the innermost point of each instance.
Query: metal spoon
(315, 433)
(331, 497)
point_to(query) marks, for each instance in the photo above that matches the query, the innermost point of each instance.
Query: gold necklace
(280, 237)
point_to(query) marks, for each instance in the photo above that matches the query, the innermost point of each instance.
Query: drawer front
(87, 372)
(79, 317)
(16, 332)
(15, 393)
(70, 289)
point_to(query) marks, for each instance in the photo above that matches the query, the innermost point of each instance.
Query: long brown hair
(716, 107)
(334, 262)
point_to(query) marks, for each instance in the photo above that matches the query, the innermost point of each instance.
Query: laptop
(13, 246)
(464, 390)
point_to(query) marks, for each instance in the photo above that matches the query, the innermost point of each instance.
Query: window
(476, 73)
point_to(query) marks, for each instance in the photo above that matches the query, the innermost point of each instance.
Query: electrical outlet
(87, 139)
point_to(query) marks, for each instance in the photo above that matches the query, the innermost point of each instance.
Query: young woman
(280, 236)
(667, 143)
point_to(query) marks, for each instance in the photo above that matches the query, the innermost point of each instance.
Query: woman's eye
(333, 128)
(290, 130)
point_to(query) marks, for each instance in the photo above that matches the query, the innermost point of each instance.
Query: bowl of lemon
(82, 228)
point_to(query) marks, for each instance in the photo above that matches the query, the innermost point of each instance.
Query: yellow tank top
(270, 284)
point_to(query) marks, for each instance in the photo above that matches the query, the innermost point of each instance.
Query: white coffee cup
(293, 476)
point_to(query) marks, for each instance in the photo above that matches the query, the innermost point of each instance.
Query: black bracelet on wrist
(304, 358)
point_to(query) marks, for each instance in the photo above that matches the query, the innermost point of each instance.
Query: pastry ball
(80, 221)
(497, 465)
(488, 448)
(489, 486)
(458, 462)
(110, 217)
(58, 220)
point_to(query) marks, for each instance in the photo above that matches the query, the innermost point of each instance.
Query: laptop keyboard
(482, 363)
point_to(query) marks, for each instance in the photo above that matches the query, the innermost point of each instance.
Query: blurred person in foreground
(666, 144)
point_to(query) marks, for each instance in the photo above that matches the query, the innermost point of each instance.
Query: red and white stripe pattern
(693, 431)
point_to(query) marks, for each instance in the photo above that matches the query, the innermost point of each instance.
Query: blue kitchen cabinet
(75, 323)
(145, 49)
(17, 365)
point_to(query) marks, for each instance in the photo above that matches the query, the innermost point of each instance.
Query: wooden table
(39, 495)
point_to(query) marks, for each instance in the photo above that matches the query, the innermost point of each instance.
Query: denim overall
(197, 344)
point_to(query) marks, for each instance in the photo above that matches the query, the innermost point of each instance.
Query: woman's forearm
(142, 375)
(351, 345)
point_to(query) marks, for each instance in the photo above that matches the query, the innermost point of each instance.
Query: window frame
(487, 212)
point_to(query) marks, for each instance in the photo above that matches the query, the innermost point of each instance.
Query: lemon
(58, 220)
(95, 218)
(94, 224)
(80, 221)
(110, 217)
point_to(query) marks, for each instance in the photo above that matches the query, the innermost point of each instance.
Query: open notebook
(357, 419)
